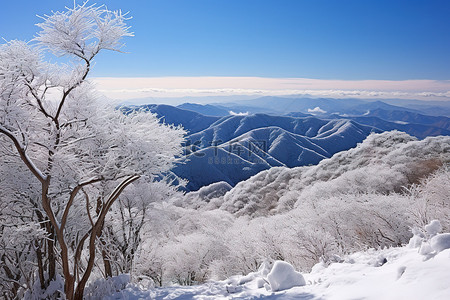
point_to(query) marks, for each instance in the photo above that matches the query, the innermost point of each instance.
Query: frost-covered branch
(83, 31)
(73, 194)
(98, 226)
(23, 155)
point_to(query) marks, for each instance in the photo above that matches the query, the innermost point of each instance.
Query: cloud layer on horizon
(161, 87)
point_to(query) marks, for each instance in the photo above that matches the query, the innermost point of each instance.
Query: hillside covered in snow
(383, 163)
(365, 223)
(237, 147)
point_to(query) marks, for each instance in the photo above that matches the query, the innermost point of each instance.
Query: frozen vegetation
(405, 272)
(337, 214)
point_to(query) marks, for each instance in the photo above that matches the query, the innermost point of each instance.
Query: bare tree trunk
(51, 254)
(40, 265)
(106, 263)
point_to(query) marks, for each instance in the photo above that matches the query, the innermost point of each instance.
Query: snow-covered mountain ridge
(235, 147)
(243, 146)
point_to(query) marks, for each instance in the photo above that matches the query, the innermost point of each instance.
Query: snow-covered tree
(65, 157)
(131, 222)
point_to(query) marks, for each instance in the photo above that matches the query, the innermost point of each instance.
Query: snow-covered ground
(420, 270)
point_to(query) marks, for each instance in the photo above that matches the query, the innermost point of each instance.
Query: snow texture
(440, 242)
(283, 277)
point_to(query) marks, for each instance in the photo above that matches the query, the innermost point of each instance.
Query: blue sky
(345, 40)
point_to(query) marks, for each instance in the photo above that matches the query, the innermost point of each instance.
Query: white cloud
(238, 114)
(316, 110)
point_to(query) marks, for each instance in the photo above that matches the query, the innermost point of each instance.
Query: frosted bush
(105, 287)
(55, 288)
(417, 238)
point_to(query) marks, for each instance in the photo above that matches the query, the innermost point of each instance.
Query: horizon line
(180, 86)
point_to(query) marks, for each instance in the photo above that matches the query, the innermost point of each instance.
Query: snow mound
(283, 277)
(440, 242)
(432, 242)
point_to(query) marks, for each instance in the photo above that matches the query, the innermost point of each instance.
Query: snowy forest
(89, 207)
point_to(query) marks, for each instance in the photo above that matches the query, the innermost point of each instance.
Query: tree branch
(39, 101)
(72, 197)
(98, 225)
(23, 155)
(68, 91)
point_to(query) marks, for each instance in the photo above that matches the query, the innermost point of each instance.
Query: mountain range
(231, 142)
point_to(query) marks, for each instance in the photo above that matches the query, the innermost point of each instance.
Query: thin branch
(23, 155)
(68, 91)
(72, 122)
(78, 252)
(87, 208)
(39, 101)
(98, 225)
(72, 197)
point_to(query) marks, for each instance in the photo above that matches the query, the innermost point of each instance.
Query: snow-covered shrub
(55, 290)
(106, 286)
(431, 199)
(188, 258)
(440, 242)
(243, 255)
(433, 228)
(180, 245)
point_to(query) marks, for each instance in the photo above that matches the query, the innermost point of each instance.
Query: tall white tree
(65, 158)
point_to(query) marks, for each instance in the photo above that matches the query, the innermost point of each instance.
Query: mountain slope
(420, 131)
(190, 120)
(207, 109)
(410, 117)
(383, 162)
(237, 147)
(230, 127)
